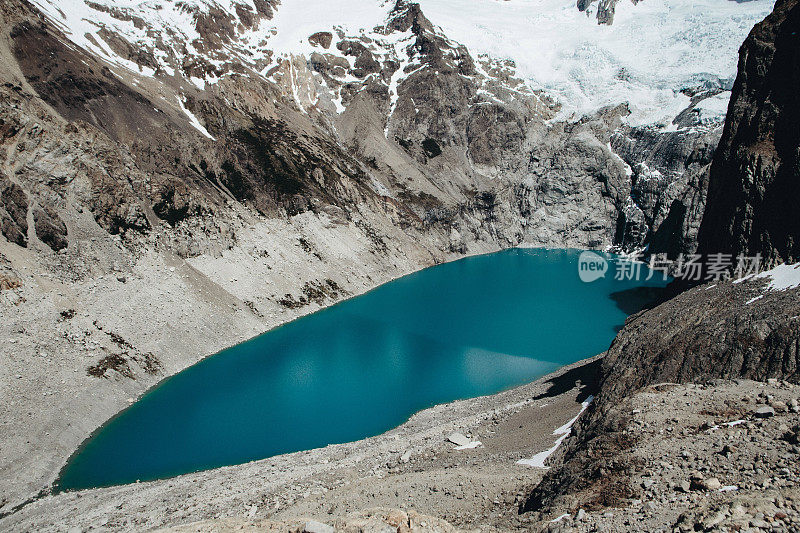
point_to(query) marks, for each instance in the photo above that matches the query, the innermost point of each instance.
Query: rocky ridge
(458, 140)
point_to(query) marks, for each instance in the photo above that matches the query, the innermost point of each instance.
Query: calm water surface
(459, 330)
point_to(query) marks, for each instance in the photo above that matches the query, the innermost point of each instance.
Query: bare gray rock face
(13, 213)
(604, 11)
(50, 229)
(669, 175)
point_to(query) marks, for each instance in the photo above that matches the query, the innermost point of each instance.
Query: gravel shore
(413, 467)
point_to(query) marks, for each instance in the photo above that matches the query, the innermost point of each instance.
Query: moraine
(463, 329)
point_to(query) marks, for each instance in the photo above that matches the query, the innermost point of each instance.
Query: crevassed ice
(652, 50)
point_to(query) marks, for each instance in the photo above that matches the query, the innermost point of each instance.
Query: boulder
(312, 526)
(459, 439)
(765, 411)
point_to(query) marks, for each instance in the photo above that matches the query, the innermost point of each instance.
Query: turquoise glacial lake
(459, 330)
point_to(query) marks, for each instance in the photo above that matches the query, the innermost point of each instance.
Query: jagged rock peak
(407, 16)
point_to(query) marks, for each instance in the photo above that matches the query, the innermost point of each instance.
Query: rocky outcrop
(50, 229)
(669, 179)
(754, 186)
(13, 213)
(707, 333)
(604, 12)
(692, 457)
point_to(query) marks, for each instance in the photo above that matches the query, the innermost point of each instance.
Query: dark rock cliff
(754, 189)
(669, 182)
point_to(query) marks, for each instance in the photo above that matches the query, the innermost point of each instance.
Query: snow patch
(538, 460)
(783, 277)
(734, 423)
(193, 120)
(715, 108)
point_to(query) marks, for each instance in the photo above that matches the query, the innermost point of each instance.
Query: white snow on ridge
(80, 23)
(714, 108)
(295, 20)
(194, 121)
(652, 50)
(783, 277)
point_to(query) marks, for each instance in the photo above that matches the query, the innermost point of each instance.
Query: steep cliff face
(669, 180)
(754, 188)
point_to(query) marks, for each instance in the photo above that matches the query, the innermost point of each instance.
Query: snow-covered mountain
(653, 50)
(517, 121)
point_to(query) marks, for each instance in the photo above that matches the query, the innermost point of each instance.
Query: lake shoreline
(282, 477)
(173, 307)
(399, 339)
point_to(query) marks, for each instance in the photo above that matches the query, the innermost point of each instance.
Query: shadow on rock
(587, 374)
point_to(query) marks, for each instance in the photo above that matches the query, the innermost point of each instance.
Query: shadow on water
(631, 301)
(588, 375)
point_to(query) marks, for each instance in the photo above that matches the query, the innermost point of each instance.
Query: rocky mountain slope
(705, 335)
(689, 457)
(460, 138)
(178, 177)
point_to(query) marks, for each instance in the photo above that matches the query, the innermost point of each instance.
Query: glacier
(653, 50)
